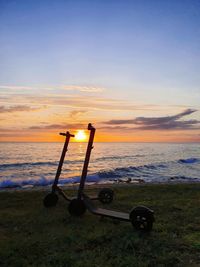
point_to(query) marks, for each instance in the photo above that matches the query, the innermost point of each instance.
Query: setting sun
(80, 136)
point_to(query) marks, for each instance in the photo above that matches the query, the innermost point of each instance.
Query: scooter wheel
(76, 207)
(105, 195)
(142, 218)
(50, 200)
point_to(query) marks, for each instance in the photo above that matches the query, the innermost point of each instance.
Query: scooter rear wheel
(105, 195)
(50, 200)
(142, 218)
(76, 207)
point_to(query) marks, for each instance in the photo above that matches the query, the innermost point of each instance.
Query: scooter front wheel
(50, 200)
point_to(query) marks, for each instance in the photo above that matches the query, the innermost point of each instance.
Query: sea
(29, 165)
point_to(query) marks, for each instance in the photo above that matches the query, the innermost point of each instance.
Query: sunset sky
(131, 68)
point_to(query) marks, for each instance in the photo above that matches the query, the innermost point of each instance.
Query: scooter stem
(59, 169)
(87, 159)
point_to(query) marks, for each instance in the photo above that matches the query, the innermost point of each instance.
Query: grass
(31, 235)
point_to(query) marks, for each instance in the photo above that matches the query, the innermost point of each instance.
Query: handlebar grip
(90, 127)
(67, 134)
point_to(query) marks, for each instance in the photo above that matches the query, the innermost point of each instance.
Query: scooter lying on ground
(105, 195)
(141, 217)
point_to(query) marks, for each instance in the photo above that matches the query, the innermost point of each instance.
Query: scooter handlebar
(67, 134)
(90, 127)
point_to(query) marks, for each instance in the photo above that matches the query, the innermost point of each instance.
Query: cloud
(77, 113)
(172, 125)
(59, 126)
(80, 88)
(88, 89)
(56, 98)
(80, 102)
(5, 135)
(115, 128)
(160, 123)
(13, 87)
(18, 108)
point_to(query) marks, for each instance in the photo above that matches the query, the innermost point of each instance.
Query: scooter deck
(105, 212)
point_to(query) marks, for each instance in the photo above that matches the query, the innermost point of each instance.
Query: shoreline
(96, 186)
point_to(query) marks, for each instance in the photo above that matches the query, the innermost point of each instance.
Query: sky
(131, 68)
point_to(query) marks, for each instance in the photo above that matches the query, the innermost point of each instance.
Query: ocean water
(34, 164)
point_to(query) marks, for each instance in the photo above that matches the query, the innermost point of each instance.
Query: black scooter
(105, 195)
(141, 217)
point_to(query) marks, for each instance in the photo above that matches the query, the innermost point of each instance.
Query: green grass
(31, 235)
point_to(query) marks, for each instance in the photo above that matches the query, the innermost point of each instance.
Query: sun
(80, 136)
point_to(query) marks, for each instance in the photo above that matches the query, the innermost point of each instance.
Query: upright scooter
(52, 198)
(141, 217)
(105, 195)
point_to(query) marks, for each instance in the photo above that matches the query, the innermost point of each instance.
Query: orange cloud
(17, 108)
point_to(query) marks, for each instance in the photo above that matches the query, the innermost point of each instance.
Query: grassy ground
(31, 235)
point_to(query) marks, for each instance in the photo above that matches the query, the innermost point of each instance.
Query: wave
(55, 163)
(29, 164)
(23, 164)
(155, 172)
(131, 170)
(119, 157)
(10, 183)
(42, 181)
(189, 160)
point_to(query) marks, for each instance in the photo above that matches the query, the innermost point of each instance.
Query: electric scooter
(141, 217)
(105, 195)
